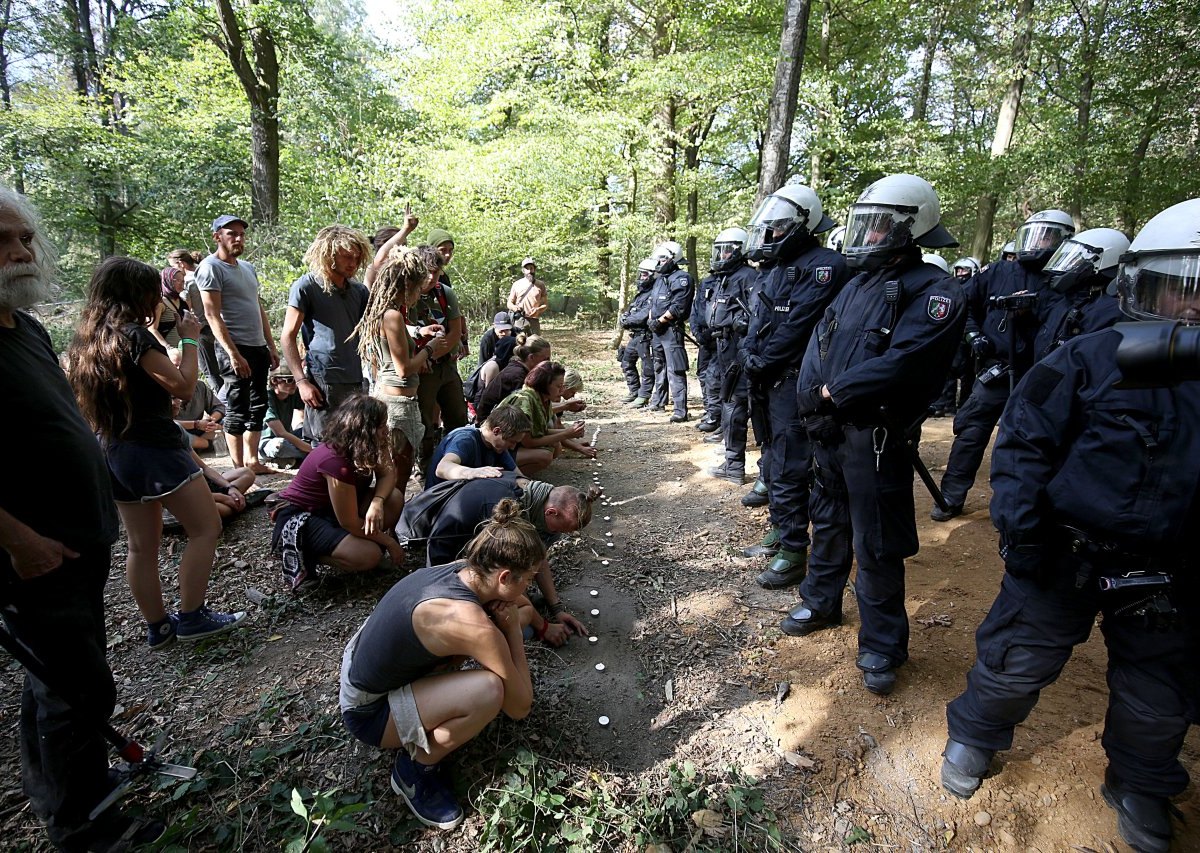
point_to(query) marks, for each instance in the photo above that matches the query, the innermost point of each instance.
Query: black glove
(823, 430)
(661, 328)
(810, 402)
(752, 364)
(981, 347)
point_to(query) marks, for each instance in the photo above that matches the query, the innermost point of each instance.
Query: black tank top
(389, 654)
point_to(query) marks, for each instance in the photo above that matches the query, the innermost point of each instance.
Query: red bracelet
(541, 632)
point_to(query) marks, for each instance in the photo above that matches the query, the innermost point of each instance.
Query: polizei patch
(824, 275)
(938, 308)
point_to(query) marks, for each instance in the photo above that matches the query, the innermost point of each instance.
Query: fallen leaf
(797, 760)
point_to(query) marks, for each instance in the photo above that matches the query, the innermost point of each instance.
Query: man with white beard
(57, 526)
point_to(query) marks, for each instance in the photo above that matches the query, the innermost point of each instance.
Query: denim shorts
(142, 474)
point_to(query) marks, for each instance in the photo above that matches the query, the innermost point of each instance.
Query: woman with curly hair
(543, 387)
(401, 685)
(124, 381)
(331, 513)
(385, 344)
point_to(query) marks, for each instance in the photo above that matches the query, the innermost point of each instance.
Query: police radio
(1154, 354)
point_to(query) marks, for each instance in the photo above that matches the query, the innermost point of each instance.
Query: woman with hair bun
(401, 685)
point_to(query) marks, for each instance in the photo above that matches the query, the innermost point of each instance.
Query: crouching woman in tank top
(400, 683)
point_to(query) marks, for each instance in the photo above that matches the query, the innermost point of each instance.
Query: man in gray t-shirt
(324, 307)
(245, 347)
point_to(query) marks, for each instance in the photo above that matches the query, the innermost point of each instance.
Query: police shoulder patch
(824, 275)
(938, 308)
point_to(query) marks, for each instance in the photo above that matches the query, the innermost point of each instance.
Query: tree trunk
(1093, 31)
(817, 155)
(260, 82)
(665, 161)
(1006, 122)
(601, 236)
(1137, 160)
(781, 110)
(18, 175)
(936, 21)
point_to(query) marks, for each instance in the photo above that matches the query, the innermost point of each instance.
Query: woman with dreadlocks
(124, 381)
(385, 344)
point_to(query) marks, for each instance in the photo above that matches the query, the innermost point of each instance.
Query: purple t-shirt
(309, 490)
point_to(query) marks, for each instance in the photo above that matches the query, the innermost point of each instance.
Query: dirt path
(695, 670)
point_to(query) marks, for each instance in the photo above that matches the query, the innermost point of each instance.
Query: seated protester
(471, 453)
(283, 402)
(201, 415)
(482, 375)
(572, 385)
(501, 328)
(401, 686)
(330, 513)
(445, 517)
(228, 489)
(542, 386)
(525, 357)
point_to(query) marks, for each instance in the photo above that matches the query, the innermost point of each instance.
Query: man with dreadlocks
(324, 305)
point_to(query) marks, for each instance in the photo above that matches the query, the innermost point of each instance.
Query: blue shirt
(472, 451)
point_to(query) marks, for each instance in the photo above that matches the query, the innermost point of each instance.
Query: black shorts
(142, 474)
(320, 535)
(368, 722)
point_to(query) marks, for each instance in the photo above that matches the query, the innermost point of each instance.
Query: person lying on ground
(330, 513)
(543, 444)
(401, 687)
(443, 520)
(525, 358)
(284, 443)
(228, 488)
(570, 402)
(470, 452)
(201, 415)
(125, 383)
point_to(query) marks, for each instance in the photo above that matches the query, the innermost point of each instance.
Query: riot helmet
(893, 214)
(1009, 252)
(645, 273)
(836, 238)
(937, 260)
(1041, 234)
(728, 250)
(786, 220)
(964, 268)
(1088, 258)
(667, 257)
(1159, 277)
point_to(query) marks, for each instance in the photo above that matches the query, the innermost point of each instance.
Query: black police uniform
(637, 349)
(1062, 316)
(671, 292)
(882, 349)
(706, 350)
(1091, 482)
(795, 293)
(957, 389)
(728, 320)
(996, 356)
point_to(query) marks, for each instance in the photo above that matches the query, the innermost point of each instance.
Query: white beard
(22, 286)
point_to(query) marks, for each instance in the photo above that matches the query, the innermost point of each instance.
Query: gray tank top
(388, 377)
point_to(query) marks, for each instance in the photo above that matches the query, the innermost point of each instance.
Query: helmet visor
(1033, 237)
(1073, 255)
(1162, 286)
(725, 253)
(872, 227)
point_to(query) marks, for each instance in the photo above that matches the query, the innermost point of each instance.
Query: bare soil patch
(695, 670)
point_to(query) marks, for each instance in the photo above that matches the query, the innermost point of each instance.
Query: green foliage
(540, 805)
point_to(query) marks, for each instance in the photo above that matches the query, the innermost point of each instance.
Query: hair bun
(505, 511)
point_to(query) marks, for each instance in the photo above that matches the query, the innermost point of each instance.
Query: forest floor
(724, 734)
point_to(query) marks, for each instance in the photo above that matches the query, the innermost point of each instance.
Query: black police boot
(630, 397)
(787, 569)
(803, 620)
(757, 496)
(879, 676)
(680, 419)
(1144, 821)
(963, 768)
(768, 547)
(951, 510)
(714, 438)
(732, 475)
(706, 425)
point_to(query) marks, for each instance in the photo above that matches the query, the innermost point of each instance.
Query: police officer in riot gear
(1009, 252)
(961, 374)
(706, 354)
(965, 268)
(637, 349)
(1079, 301)
(670, 304)
(800, 278)
(1095, 499)
(733, 291)
(1000, 335)
(874, 363)
(836, 238)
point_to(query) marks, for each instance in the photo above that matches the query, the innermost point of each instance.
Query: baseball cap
(528, 262)
(221, 221)
(502, 321)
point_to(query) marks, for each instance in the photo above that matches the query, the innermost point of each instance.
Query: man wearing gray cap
(501, 328)
(245, 348)
(527, 299)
